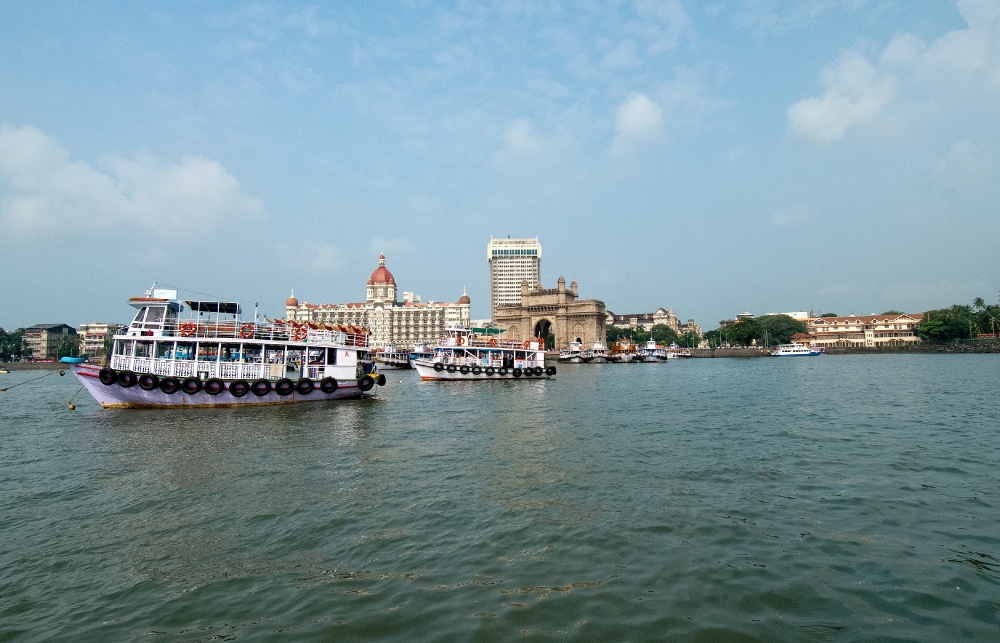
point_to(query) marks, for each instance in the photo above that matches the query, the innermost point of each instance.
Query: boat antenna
(149, 293)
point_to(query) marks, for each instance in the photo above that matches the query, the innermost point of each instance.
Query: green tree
(947, 324)
(778, 329)
(892, 312)
(663, 334)
(689, 339)
(69, 346)
(829, 315)
(12, 345)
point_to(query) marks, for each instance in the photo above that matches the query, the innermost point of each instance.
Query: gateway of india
(522, 309)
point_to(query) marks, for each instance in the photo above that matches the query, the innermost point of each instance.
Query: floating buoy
(72, 407)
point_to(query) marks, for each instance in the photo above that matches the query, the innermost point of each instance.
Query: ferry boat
(623, 352)
(420, 351)
(392, 357)
(676, 352)
(597, 354)
(573, 354)
(463, 356)
(651, 352)
(795, 350)
(203, 354)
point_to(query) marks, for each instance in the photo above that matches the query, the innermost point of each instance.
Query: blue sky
(761, 155)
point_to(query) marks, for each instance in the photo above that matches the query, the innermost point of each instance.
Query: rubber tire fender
(490, 370)
(452, 368)
(284, 386)
(366, 383)
(239, 388)
(502, 371)
(108, 376)
(191, 385)
(260, 387)
(214, 386)
(539, 370)
(380, 380)
(328, 385)
(550, 370)
(464, 370)
(438, 366)
(127, 379)
(170, 385)
(304, 386)
(527, 371)
(476, 370)
(149, 382)
(516, 372)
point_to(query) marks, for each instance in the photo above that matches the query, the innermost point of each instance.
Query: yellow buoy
(72, 407)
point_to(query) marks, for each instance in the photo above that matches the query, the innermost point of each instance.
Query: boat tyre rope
(476, 370)
(107, 376)
(239, 388)
(366, 383)
(284, 386)
(304, 386)
(502, 371)
(464, 370)
(191, 385)
(380, 380)
(452, 368)
(148, 382)
(550, 370)
(247, 331)
(214, 386)
(517, 372)
(438, 366)
(170, 385)
(490, 370)
(126, 379)
(260, 388)
(328, 385)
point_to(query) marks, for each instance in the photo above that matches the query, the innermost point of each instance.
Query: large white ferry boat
(651, 352)
(203, 354)
(463, 356)
(573, 354)
(795, 350)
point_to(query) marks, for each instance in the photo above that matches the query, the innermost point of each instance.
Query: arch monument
(559, 310)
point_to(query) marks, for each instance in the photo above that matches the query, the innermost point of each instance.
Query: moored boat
(203, 354)
(623, 352)
(651, 352)
(795, 350)
(573, 354)
(463, 356)
(392, 357)
(597, 354)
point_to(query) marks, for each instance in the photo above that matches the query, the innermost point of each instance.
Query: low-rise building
(93, 336)
(647, 320)
(43, 340)
(865, 331)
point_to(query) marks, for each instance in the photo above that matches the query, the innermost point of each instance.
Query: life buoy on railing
(526, 344)
(188, 329)
(493, 342)
(247, 330)
(460, 341)
(299, 334)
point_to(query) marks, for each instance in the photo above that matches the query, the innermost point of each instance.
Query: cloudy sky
(761, 155)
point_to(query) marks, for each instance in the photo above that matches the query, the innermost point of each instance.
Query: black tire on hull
(476, 370)
(260, 388)
(366, 383)
(464, 370)
(214, 386)
(539, 370)
(550, 370)
(304, 386)
(108, 376)
(452, 368)
(148, 382)
(328, 385)
(191, 385)
(126, 379)
(239, 388)
(438, 366)
(284, 386)
(516, 372)
(170, 385)
(502, 371)
(380, 380)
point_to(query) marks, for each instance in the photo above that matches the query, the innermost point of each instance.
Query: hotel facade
(511, 262)
(866, 331)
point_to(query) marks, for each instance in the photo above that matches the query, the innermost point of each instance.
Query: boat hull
(427, 372)
(117, 397)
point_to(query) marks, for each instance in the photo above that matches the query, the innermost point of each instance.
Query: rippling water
(830, 499)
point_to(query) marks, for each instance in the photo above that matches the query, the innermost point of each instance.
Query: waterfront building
(647, 320)
(865, 331)
(392, 323)
(557, 310)
(43, 340)
(511, 262)
(92, 337)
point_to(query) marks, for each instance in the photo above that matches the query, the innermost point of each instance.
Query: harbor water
(849, 498)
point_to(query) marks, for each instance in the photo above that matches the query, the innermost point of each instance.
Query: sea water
(838, 498)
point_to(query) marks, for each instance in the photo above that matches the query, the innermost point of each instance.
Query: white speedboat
(676, 352)
(463, 356)
(573, 354)
(795, 350)
(203, 354)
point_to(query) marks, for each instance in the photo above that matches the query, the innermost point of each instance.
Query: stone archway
(541, 331)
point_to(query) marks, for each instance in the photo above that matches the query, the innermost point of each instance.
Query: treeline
(12, 345)
(959, 322)
(661, 333)
(767, 331)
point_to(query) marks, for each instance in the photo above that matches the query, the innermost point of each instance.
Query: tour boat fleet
(204, 354)
(461, 355)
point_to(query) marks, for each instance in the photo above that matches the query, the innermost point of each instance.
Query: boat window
(121, 348)
(144, 349)
(230, 353)
(164, 350)
(331, 356)
(252, 353)
(153, 316)
(139, 315)
(208, 352)
(184, 350)
(274, 354)
(294, 360)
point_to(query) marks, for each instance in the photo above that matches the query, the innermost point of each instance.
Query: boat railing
(196, 368)
(192, 330)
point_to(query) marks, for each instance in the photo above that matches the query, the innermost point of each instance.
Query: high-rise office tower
(511, 261)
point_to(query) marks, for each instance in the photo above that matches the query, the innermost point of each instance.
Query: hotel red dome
(381, 274)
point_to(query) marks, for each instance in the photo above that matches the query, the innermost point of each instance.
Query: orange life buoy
(460, 341)
(493, 341)
(526, 344)
(299, 334)
(188, 328)
(247, 331)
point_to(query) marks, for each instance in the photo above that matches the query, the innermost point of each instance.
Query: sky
(713, 157)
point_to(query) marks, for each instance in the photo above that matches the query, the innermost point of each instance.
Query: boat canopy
(217, 307)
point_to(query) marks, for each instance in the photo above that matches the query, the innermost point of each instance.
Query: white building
(92, 337)
(511, 262)
(392, 323)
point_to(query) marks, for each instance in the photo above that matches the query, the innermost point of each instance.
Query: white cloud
(910, 82)
(638, 120)
(794, 216)
(521, 142)
(46, 194)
